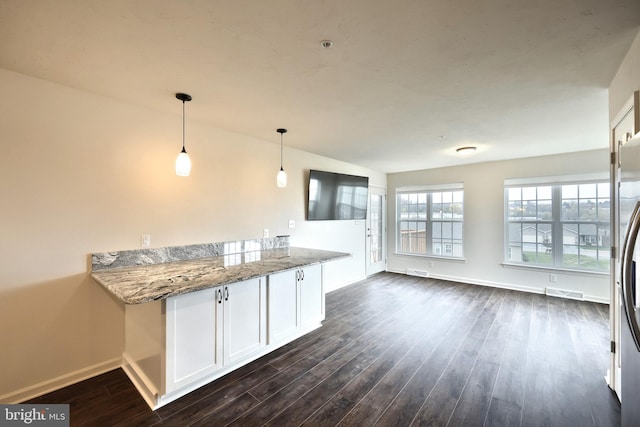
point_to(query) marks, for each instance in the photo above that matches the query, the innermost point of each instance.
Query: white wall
(484, 223)
(81, 173)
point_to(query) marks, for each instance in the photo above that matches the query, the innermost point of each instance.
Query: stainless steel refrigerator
(629, 211)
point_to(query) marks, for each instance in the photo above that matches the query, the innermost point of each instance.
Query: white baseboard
(65, 380)
(509, 286)
(336, 286)
(140, 380)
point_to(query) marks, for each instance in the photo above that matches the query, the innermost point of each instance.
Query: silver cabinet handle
(219, 296)
(226, 293)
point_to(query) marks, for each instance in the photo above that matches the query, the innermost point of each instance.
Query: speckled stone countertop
(143, 283)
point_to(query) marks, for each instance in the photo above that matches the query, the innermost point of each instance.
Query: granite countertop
(145, 283)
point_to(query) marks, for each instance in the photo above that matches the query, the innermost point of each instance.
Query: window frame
(559, 224)
(429, 221)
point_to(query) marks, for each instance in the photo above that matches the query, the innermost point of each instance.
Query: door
(244, 319)
(376, 231)
(311, 296)
(283, 311)
(624, 126)
(193, 342)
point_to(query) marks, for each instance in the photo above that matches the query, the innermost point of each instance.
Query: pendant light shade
(183, 162)
(281, 179)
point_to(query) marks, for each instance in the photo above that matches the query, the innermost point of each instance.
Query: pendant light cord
(281, 151)
(183, 127)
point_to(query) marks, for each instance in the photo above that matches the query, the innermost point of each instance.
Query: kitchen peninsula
(194, 313)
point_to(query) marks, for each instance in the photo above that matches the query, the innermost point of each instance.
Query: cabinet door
(194, 345)
(283, 307)
(244, 319)
(311, 297)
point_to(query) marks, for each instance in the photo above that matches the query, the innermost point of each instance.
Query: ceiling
(405, 83)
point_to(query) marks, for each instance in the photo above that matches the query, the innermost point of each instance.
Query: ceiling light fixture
(327, 44)
(465, 151)
(183, 162)
(281, 179)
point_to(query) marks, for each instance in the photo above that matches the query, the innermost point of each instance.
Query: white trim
(510, 286)
(438, 257)
(626, 109)
(59, 382)
(140, 380)
(170, 397)
(434, 188)
(559, 269)
(561, 179)
(341, 284)
(378, 187)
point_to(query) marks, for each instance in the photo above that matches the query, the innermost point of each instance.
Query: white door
(193, 346)
(376, 231)
(244, 319)
(283, 311)
(624, 126)
(311, 296)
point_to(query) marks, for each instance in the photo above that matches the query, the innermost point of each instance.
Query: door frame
(373, 268)
(614, 373)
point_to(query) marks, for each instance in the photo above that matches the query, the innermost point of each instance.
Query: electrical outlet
(145, 240)
(553, 278)
(292, 224)
(265, 233)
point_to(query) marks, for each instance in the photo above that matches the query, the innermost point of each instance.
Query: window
(429, 222)
(559, 225)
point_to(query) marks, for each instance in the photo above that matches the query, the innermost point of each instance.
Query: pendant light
(466, 151)
(183, 162)
(281, 179)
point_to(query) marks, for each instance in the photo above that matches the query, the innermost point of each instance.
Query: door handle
(226, 293)
(219, 296)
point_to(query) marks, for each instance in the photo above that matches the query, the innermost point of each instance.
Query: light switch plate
(292, 224)
(145, 240)
(265, 233)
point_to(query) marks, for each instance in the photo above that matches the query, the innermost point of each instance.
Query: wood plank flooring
(399, 351)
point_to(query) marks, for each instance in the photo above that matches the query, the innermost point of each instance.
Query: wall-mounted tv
(334, 196)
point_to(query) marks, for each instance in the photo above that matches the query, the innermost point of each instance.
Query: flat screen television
(335, 196)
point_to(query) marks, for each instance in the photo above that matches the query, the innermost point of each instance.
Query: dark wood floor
(398, 351)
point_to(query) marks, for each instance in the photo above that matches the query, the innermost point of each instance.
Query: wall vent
(419, 273)
(563, 293)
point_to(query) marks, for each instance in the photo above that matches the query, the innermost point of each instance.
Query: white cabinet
(284, 307)
(311, 297)
(193, 337)
(212, 329)
(245, 330)
(296, 303)
(178, 344)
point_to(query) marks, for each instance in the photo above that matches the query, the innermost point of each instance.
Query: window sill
(559, 269)
(439, 258)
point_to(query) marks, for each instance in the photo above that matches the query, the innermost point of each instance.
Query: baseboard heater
(419, 273)
(563, 293)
